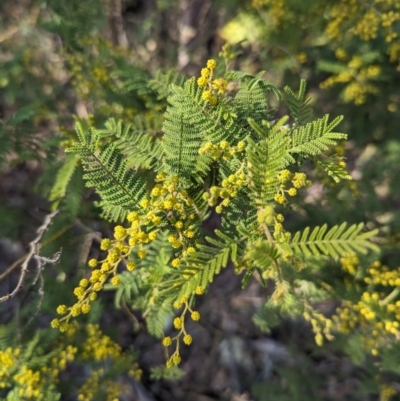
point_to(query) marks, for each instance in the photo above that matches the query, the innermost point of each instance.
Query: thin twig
(10, 32)
(12, 267)
(60, 232)
(393, 295)
(272, 243)
(130, 315)
(41, 262)
(14, 29)
(33, 254)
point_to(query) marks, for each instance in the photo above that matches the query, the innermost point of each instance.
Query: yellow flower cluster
(298, 180)
(340, 14)
(367, 27)
(209, 97)
(214, 87)
(277, 9)
(60, 362)
(206, 74)
(386, 392)
(98, 346)
(356, 76)
(223, 150)
(349, 264)
(28, 382)
(376, 314)
(97, 384)
(346, 20)
(266, 216)
(91, 76)
(166, 204)
(228, 190)
(382, 275)
(179, 324)
(227, 53)
(368, 22)
(8, 359)
(219, 85)
(101, 348)
(321, 325)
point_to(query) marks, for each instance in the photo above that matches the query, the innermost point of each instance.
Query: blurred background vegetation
(68, 61)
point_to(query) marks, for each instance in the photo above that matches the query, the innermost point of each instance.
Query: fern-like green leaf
(189, 122)
(263, 254)
(207, 262)
(316, 137)
(336, 172)
(299, 106)
(132, 80)
(266, 158)
(127, 289)
(247, 277)
(161, 84)
(335, 243)
(252, 99)
(157, 318)
(139, 142)
(120, 188)
(63, 178)
(163, 373)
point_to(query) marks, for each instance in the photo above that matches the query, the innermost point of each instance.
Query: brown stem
(33, 254)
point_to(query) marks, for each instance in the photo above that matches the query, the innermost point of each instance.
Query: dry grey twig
(34, 249)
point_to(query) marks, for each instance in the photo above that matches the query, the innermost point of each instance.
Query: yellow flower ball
(195, 316)
(92, 263)
(131, 266)
(176, 262)
(211, 64)
(55, 323)
(144, 203)
(178, 322)
(152, 236)
(141, 254)
(199, 290)
(104, 245)
(179, 225)
(167, 341)
(84, 283)
(187, 339)
(85, 308)
(62, 309)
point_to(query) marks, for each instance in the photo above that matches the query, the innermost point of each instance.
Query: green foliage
(335, 242)
(164, 373)
(63, 179)
(316, 137)
(213, 151)
(140, 143)
(106, 170)
(208, 261)
(299, 106)
(159, 122)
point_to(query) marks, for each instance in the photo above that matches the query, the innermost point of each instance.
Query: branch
(14, 29)
(34, 254)
(272, 242)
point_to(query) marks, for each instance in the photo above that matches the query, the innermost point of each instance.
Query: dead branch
(34, 249)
